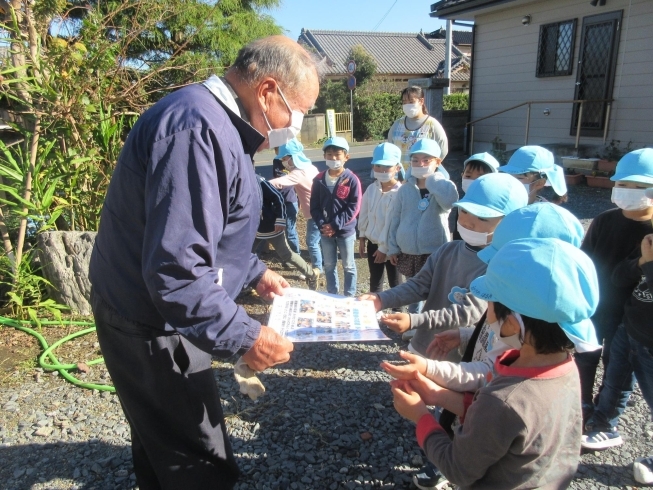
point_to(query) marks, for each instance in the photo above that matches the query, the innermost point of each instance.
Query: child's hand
(407, 402)
(279, 228)
(393, 260)
(397, 322)
(361, 247)
(429, 391)
(405, 371)
(372, 297)
(327, 231)
(647, 250)
(443, 343)
(379, 257)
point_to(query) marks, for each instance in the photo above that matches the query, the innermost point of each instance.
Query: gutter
(440, 10)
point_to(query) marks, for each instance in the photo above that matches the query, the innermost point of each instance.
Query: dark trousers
(170, 399)
(376, 271)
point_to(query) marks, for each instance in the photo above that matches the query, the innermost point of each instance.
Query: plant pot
(596, 181)
(606, 165)
(574, 179)
(584, 163)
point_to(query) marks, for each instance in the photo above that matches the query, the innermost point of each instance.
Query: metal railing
(470, 124)
(343, 122)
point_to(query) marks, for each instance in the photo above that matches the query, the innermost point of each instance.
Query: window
(555, 54)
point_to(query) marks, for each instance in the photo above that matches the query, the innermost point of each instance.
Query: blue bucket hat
(337, 141)
(539, 220)
(546, 279)
(493, 195)
(492, 163)
(537, 159)
(296, 150)
(386, 154)
(636, 166)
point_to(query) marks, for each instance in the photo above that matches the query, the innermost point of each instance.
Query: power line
(383, 18)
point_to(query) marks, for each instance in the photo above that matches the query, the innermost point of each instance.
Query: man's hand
(279, 228)
(393, 259)
(443, 343)
(361, 247)
(327, 231)
(407, 402)
(379, 257)
(271, 285)
(405, 371)
(397, 322)
(372, 297)
(269, 350)
(647, 250)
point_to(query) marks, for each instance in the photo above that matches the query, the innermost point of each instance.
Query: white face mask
(281, 136)
(334, 164)
(631, 199)
(422, 172)
(466, 184)
(527, 187)
(514, 341)
(473, 238)
(287, 163)
(412, 110)
(383, 176)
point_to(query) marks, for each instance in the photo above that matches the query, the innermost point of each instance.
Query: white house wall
(504, 75)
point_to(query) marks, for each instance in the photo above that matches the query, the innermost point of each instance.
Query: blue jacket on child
(339, 208)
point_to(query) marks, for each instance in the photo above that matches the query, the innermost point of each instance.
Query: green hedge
(455, 102)
(374, 114)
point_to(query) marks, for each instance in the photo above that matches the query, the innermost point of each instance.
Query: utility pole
(447, 57)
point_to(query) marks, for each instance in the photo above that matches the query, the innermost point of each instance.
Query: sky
(356, 15)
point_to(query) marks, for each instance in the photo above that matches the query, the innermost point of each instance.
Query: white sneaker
(643, 470)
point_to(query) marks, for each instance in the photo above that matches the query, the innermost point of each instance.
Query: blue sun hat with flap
(386, 154)
(546, 279)
(636, 166)
(493, 195)
(539, 220)
(296, 150)
(537, 159)
(491, 162)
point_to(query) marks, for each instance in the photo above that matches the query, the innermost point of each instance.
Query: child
(272, 229)
(300, 176)
(374, 216)
(335, 204)
(539, 220)
(535, 167)
(523, 429)
(418, 222)
(475, 166)
(290, 200)
(444, 281)
(611, 238)
(630, 350)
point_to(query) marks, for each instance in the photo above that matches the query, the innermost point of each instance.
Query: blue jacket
(273, 211)
(339, 208)
(178, 223)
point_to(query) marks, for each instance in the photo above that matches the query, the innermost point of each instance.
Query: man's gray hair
(288, 63)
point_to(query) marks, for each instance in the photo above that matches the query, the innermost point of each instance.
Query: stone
(43, 431)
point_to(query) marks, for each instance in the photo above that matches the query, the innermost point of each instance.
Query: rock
(82, 367)
(19, 472)
(43, 431)
(366, 436)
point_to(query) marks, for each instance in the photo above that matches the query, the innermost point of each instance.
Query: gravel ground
(326, 421)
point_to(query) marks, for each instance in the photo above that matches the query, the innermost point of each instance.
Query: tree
(365, 64)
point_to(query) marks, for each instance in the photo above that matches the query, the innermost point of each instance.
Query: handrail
(528, 117)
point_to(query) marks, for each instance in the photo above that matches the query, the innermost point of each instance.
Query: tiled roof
(459, 69)
(457, 37)
(394, 52)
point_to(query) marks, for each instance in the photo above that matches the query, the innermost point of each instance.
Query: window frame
(541, 45)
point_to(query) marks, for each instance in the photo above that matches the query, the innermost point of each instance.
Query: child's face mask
(384, 176)
(287, 163)
(466, 183)
(514, 341)
(412, 110)
(631, 199)
(474, 238)
(334, 164)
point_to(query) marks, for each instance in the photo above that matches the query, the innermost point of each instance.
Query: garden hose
(48, 354)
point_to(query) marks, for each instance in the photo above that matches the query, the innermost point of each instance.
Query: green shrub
(455, 102)
(374, 114)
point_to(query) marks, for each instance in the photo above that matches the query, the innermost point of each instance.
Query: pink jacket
(302, 180)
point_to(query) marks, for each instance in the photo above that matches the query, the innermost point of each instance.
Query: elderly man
(173, 251)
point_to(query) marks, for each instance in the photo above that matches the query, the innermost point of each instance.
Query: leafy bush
(374, 114)
(455, 102)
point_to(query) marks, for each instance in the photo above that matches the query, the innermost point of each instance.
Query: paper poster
(302, 315)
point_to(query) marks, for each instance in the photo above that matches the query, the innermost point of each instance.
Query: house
(461, 39)
(551, 52)
(399, 56)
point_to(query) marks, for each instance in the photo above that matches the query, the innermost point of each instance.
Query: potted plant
(572, 178)
(600, 179)
(611, 154)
